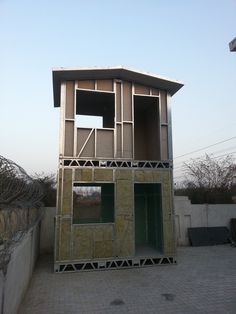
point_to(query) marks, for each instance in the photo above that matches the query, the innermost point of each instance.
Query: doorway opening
(146, 128)
(148, 219)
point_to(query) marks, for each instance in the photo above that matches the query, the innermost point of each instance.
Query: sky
(184, 40)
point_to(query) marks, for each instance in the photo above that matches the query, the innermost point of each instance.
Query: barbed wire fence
(20, 206)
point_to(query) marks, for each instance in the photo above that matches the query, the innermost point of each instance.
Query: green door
(140, 220)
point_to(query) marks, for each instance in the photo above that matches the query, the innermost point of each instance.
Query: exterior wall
(19, 271)
(117, 142)
(215, 215)
(199, 215)
(111, 240)
(47, 230)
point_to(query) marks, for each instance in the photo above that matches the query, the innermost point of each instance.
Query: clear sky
(180, 39)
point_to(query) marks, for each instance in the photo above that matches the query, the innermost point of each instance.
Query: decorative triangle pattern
(114, 264)
(116, 163)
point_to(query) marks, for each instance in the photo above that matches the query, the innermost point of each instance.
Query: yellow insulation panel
(59, 191)
(67, 192)
(110, 240)
(103, 175)
(124, 235)
(65, 240)
(168, 235)
(103, 249)
(83, 175)
(83, 242)
(123, 174)
(93, 241)
(143, 176)
(124, 197)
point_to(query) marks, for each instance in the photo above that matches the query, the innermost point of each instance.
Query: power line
(222, 155)
(200, 149)
(211, 153)
(224, 150)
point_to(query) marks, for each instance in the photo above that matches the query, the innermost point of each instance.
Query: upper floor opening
(100, 106)
(114, 114)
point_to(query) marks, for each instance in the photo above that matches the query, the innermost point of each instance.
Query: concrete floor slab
(204, 281)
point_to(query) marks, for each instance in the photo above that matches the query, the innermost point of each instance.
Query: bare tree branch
(17, 188)
(210, 172)
(209, 180)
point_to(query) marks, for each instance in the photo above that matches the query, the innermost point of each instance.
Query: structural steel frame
(115, 162)
(120, 263)
(121, 163)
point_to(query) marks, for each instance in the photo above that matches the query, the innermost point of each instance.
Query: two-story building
(115, 193)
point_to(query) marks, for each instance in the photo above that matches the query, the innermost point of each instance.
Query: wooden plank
(82, 135)
(118, 141)
(105, 143)
(88, 84)
(164, 143)
(163, 107)
(127, 101)
(118, 102)
(155, 91)
(69, 100)
(127, 140)
(69, 138)
(140, 89)
(106, 85)
(89, 149)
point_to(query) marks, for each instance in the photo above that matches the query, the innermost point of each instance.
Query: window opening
(93, 203)
(96, 104)
(84, 121)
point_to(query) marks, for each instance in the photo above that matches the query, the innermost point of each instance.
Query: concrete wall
(186, 215)
(199, 215)
(47, 231)
(19, 271)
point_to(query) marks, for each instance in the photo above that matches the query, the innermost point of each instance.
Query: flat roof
(121, 73)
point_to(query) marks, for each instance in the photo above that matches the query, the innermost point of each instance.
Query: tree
(48, 184)
(209, 180)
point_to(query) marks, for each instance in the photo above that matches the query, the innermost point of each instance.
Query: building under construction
(115, 194)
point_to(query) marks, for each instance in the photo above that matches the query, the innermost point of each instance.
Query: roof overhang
(232, 45)
(71, 74)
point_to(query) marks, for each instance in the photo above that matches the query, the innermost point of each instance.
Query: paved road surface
(204, 281)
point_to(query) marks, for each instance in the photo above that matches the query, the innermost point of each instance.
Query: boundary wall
(189, 215)
(40, 239)
(186, 215)
(19, 271)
